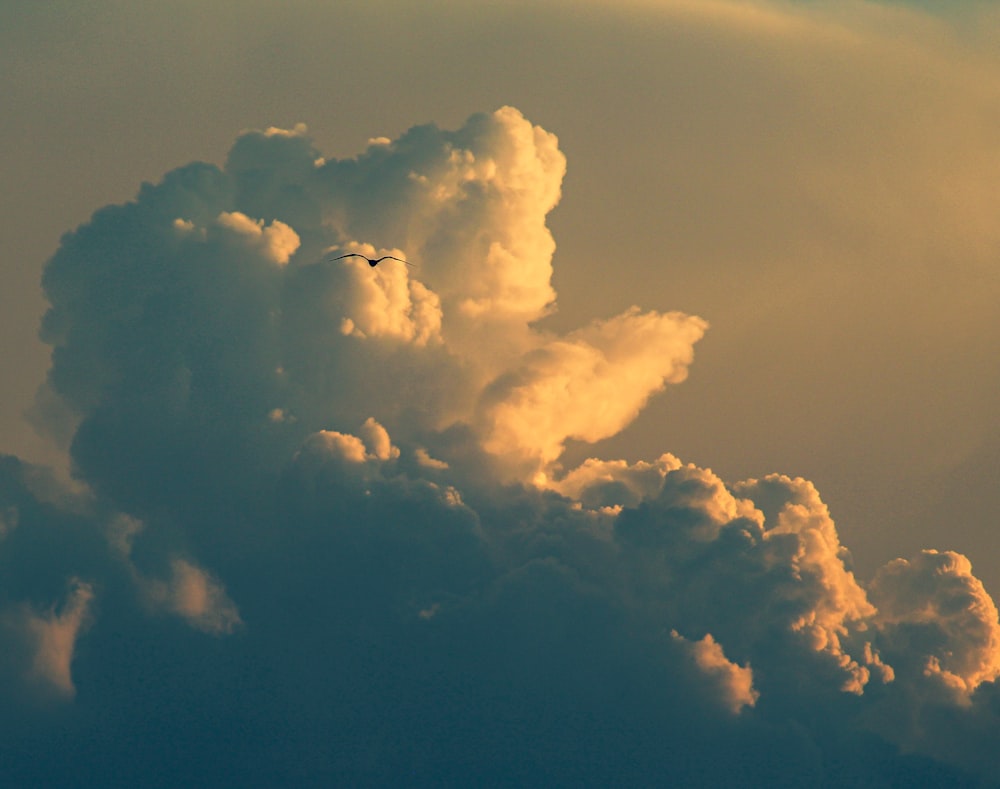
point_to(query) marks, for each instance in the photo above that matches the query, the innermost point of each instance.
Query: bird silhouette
(374, 262)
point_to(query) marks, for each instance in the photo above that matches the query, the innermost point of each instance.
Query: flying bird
(374, 262)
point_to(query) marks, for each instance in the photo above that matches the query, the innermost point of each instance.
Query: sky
(672, 458)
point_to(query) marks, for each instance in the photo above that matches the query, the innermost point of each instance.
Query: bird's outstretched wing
(393, 257)
(374, 262)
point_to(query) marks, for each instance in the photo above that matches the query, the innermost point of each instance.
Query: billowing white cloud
(486, 197)
(589, 385)
(243, 289)
(801, 532)
(615, 483)
(384, 303)
(425, 460)
(332, 445)
(936, 619)
(277, 241)
(369, 462)
(751, 563)
(377, 440)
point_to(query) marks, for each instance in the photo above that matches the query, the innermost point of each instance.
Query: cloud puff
(801, 531)
(489, 188)
(386, 304)
(53, 636)
(615, 483)
(196, 596)
(936, 618)
(588, 385)
(277, 241)
(735, 683)
(46, 640)
(760, 567)
(368, 461)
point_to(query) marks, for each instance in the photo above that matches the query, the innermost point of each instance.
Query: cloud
(329, 500)
(196, 596)
(51, 638)
(735, 683)
(803, 534)
(615, 483)
(759, 566)
(588, 386)
(937, 621)
(40, 644)
(386, 304)
(228, 280)
(277, 241)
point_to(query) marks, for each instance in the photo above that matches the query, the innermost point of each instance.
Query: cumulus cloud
(47, 640)
(760, 567)
(801, 531)
(615, 483)
(196, 596)
(488, 189)
(735, 683)
(384, 303)
(344, 486)
(377, 440)
(937, 620)
(277, 241)
(54, 635)
(230, 281)
(588, 385)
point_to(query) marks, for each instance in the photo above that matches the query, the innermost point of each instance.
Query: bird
(374, 262)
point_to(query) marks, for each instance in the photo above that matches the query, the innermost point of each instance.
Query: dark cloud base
(530, 672)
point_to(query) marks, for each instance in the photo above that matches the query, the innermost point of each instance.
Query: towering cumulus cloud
(326, 535)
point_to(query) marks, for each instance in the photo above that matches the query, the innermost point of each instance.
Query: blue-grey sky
(742, 255)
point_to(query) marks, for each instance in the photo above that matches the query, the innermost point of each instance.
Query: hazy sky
(757, 236)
